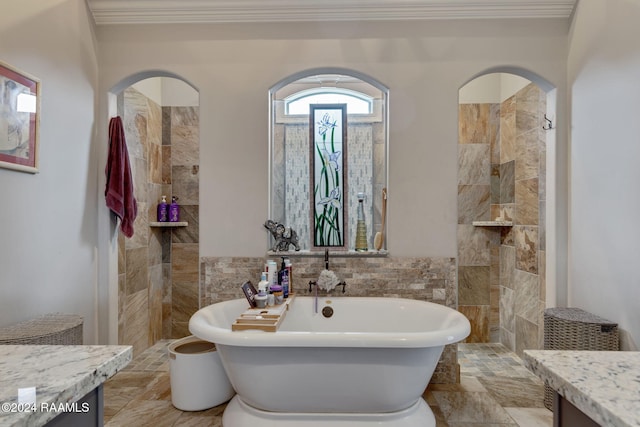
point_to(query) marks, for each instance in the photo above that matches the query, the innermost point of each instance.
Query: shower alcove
(503, 140)
(158, 267)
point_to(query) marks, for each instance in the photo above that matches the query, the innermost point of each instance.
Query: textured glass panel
(328, 130)
(297, 195)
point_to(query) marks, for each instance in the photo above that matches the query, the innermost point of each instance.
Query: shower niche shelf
(305, 253)
(492, 223)
(168, 224)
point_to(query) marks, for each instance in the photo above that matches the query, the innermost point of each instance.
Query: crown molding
(111, 12)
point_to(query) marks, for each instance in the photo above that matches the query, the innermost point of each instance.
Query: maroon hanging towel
(119, 190)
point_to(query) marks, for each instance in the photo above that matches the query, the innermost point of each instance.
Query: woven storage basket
(576, 329)
(56, 328)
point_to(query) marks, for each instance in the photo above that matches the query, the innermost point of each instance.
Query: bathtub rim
(458, 330)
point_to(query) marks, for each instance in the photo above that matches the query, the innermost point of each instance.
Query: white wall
(176, 93)
(56, 226)
(604, 77)
(151, 88)
(166, 91)
(510, 84)
(482, 90)
(48, 257)
(233, 66)
(491, 88)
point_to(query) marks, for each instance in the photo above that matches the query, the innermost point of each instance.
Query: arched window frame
(328, 79)
(340, 96)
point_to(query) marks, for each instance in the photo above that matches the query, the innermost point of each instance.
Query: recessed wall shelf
(168, 224)
(332, 254)
(493, 223)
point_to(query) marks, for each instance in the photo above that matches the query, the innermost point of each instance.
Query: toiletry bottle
(270, 299)
(163, 210)
(287, 263)
(266, 268)
(283, 279)
(361, 228)
(276, 290)
(272, 272)
(174, 210)
(264, 283)
(261, 298)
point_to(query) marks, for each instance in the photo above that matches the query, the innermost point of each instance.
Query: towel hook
(549, 124)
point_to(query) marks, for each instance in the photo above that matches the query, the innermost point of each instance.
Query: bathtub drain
(327, 312)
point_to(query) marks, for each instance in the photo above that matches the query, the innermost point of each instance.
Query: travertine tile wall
(522, 250)
(181, 155)
(478, 247)
(502, 167)
(154, 298)
(428, 279)
(140, 257)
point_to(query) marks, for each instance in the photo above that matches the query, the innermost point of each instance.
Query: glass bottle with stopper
(361, 228)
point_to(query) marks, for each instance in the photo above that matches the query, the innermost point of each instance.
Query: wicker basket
(576, 329)
(56, 328)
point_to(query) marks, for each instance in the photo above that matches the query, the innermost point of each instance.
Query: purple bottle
(163, 210)
(174, 210)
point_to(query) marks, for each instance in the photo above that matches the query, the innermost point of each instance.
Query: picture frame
(19, 119)
(329, 190)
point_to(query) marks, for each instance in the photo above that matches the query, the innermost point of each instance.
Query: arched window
(296, 156)
(357, 102)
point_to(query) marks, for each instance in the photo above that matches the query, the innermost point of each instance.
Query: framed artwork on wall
(19, 119)
(328, 142)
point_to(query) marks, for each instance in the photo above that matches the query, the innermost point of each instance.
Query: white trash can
(198, 380)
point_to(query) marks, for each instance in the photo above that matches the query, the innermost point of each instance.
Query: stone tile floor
(495, 390)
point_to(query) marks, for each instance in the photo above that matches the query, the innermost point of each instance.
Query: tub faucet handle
(313, 283)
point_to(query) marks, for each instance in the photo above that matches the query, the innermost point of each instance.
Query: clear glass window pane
(357, 103)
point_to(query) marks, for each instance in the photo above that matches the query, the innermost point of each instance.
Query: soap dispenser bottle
(283, 278)
(174, 210)
(287, 263)
(361, 227)
(163, 210)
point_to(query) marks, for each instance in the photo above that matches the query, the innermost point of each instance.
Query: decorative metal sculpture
(284, 236)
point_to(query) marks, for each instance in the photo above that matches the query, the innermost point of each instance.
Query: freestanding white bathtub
(367, 364)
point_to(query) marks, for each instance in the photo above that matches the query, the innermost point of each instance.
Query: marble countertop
(59, 373)
(604, 385)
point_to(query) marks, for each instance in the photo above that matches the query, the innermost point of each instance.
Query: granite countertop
(604, 385)
(59, 373)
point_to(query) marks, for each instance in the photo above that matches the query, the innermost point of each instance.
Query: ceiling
(112, 12)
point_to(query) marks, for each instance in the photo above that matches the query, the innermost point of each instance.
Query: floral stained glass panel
(328, 132)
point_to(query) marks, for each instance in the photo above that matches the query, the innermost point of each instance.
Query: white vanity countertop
(59, 373)
(604, 385)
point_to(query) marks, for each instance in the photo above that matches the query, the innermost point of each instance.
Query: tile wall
(366, 172)
(478, 247)
(181, 155)
(428, 279)
(502, 168)
(140, 257)
(163, 146)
